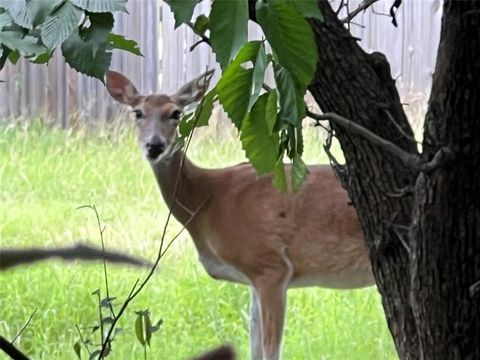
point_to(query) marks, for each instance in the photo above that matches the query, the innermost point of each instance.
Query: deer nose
(155, 147)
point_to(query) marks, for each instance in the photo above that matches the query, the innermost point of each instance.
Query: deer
(244, 229)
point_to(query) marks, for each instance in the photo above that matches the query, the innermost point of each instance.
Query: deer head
(157, 116)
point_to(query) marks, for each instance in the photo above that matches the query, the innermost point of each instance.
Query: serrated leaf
(202, 23)
(201, 116)
(119, 42)
(38, 10)
(89, 53)
(77, 347)
(291, 38)
(139, 330)
(259, 68)
(299, 172)
(308, 8)
(5, 20)
(182, 10)
(235, 86)
(101, 6)
(18, 12)
(260, 145)
(26, 45)
(292, 103)
(228, 29)
(58, 26)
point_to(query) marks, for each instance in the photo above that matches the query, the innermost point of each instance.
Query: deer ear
(122, 89)
(193, 90)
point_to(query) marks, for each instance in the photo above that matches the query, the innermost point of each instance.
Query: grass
(45, 174)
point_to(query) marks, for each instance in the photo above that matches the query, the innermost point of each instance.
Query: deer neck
(184, 186)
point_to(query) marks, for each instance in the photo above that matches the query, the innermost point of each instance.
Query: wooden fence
(59, 92)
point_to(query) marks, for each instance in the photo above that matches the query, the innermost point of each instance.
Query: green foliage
(260, 143)
(86, 49)
(228, 27)
(182, 10)
(244, 64)
(235, 85)
(34, 28)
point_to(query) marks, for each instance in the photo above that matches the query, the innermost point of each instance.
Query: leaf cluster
(269, 119)
(33, 29)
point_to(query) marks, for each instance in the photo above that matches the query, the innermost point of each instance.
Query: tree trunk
(423, 271)
(446, 233)
(359, 86)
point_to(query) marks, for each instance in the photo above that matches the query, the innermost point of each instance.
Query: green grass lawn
(46, 174)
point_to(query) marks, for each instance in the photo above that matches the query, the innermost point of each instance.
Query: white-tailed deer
(244, 229)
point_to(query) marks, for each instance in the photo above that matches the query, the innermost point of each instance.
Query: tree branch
(443, 156)
(10, 349)
(362, 7)
(13, 256)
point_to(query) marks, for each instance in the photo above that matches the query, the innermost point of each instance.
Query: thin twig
(203, 38)
(24, 326)
(399, 128)
(362, 7)
(83, 340)
(443, 156)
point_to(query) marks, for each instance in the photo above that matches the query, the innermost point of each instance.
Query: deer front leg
(256, 351)
(271, 289)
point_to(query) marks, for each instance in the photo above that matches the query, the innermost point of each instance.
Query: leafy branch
(82, 29)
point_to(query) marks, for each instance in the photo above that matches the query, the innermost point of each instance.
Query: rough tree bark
(423, 271)
(445, 237)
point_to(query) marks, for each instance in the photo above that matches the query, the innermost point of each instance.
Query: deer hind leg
(256, 351)
(271, 289)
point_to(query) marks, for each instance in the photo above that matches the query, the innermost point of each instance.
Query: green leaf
(308, 8)
(5, 20)
(14, 56)
(77, 347)
(87, 52)
(26, 45)
(58, 26)
(279, 179)
(119, 42)
(299, 172)
(201, 116)
(228, 29)
(235, 85)
(38, 10)
(291, 38)
(258, 74)
(292, 103)
(18, 12)
(202, 24)
(260, 145)
(139, 330)
(182, 10)
(94, 354)
(43, 58)
(148, 326)
(101, 6)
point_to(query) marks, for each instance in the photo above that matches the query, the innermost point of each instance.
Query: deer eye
(176, 115)
(138, 113)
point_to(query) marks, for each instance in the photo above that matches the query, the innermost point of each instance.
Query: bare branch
(443, 156)
(10, 257)
(362, 7)
(10, 349)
